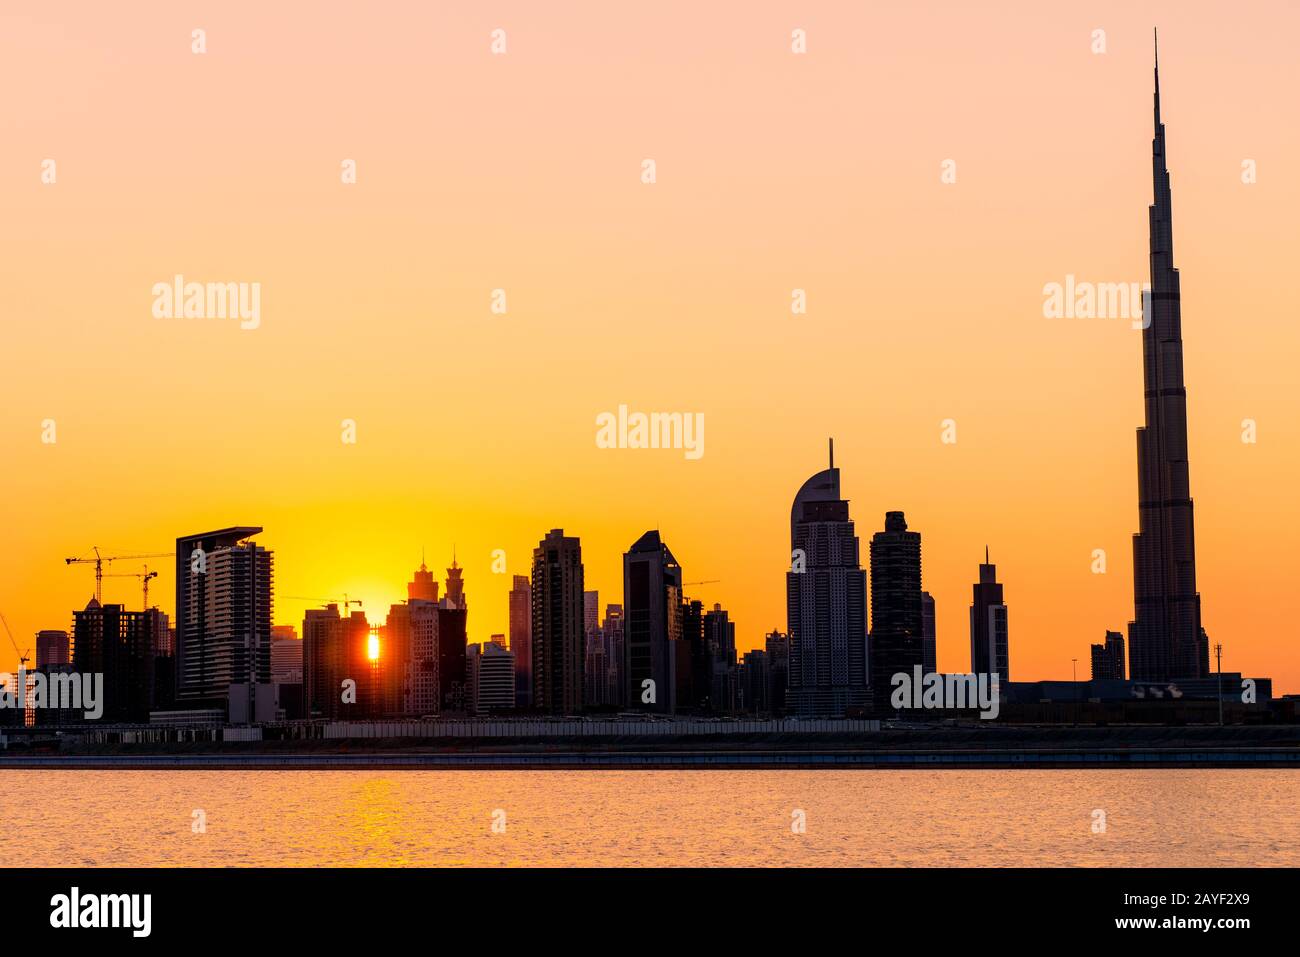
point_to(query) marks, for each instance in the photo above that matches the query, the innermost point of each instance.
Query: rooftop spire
(1156, 40)
(832, 446)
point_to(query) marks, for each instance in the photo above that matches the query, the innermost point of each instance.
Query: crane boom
(22, 658)
(144, 577)
(345, 601)
(99, 560)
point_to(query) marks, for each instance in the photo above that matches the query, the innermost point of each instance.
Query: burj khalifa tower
(1166, 642)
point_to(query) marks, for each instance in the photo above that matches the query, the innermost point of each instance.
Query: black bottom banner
(494, 907)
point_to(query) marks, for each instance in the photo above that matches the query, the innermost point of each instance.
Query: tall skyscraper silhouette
(425, 681)
(777, 647)
(558, 650)
(989, 645)
(826, 602)
(410, 649)
(1165, 637)
(611, 631)
(652, 592)
(521, 643)
(929, 649)
(720, 639)
(692, 636)
(223, 614)
(453, 624)
(590, 611)
(897, 610)
(335, 649)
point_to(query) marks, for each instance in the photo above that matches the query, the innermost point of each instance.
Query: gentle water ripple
(1168, 817)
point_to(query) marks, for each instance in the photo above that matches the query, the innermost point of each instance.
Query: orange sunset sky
(775, 171)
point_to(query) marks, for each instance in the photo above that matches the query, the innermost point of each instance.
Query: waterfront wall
(560, 728)
(482, 729)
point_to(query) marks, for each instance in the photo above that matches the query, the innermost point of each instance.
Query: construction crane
(99, 561)
(345, 601)
(707, 581)
(144, 577)
(23, 657)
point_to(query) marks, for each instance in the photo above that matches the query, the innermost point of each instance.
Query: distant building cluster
(658, 652)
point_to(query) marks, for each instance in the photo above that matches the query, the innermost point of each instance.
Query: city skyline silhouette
(1042, 469)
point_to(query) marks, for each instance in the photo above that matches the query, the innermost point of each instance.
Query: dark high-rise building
(928, 631)
(1108, 659)
(701, 670)
(897, 616)
(720, 639)
(521, 629)
(720, 634)
(423, 682)
(1165, 637)
(596, 666)
(52, 648)
(594, 670)
(652, 591)
(557, 642)
(223, 615)
(452, 640)
(754, 683)
(114, 642)
(396, 658)
(777, 647)
(603, 673)
(321, 661)
(410, 660)
(453, 625)
(334, 650)
(989, 650)
(612, 631)
(826, 602)
(163, 639)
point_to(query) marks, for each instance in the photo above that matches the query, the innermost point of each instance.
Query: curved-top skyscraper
(826, 602)
(1165, 638)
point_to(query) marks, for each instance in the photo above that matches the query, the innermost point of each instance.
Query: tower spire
(1166, 641)
(1156, 40)
(832, 447)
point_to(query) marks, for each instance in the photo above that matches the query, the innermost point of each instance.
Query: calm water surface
(1167, 817)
